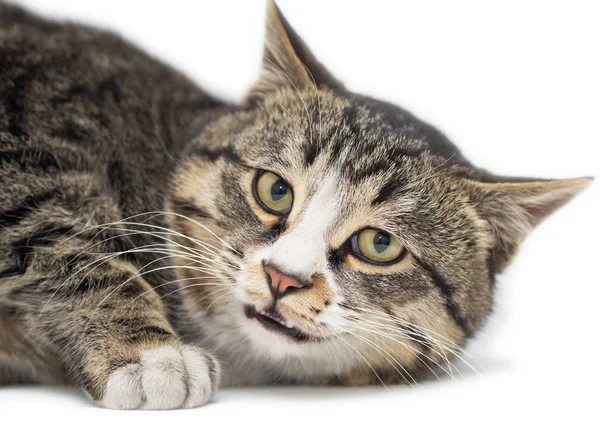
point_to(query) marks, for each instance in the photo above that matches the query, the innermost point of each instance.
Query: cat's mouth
(271, 319)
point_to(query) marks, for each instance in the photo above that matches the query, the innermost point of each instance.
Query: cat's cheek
(251, 285)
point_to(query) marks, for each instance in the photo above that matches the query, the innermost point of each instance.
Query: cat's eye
(376, 246)
(272, 193)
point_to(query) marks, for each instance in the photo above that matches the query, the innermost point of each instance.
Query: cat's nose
(281, 284)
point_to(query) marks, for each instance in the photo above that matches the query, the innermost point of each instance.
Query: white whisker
(297, 92)
(386, 355)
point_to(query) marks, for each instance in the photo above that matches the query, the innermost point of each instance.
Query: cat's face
(332, 222)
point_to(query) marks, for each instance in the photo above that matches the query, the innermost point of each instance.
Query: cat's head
(327, 222)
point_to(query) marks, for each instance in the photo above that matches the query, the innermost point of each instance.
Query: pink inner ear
(540, 199)
(535, 199)
(537, 212)
(513, 209)
(287, 62)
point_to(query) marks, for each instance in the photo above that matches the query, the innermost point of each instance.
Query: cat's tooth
(289, 324)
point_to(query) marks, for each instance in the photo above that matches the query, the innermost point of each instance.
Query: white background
(517, 86)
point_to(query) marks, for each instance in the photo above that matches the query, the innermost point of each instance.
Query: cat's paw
(168, 377)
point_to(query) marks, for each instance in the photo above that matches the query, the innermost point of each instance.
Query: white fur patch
(302, 251)
(124, 389)
(165, 378)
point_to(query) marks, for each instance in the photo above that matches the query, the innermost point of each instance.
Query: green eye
(376, 246)
(272, 193)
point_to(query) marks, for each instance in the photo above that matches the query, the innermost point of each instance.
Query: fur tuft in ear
(287, 61)
(513, 209)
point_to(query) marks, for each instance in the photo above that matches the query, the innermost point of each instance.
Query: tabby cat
(157, 243)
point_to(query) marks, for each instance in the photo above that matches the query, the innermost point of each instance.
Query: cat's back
(84, 99)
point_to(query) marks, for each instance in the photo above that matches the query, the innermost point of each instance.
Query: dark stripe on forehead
(358, 174)
(447, 291)
(384, 193)
(215, 154)
(338, 136)
(351, 120)
(311, 151)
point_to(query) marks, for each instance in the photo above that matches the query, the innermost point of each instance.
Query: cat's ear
(287, 61)
(513, 208)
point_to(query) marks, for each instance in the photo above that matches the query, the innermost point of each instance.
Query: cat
(157, 243)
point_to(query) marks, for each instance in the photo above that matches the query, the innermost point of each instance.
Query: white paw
(164, 378)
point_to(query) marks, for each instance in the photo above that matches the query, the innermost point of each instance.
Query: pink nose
(281, 283)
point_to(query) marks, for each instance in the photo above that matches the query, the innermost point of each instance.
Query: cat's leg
(76, 309)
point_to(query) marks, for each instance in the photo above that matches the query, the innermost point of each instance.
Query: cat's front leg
(108, 331)
(119, 347)
(74, 311)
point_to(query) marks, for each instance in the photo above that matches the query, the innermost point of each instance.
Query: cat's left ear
(513, 208)
(287, 61)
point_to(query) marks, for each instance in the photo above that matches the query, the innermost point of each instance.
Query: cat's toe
(165, 378)
(203, 376)
(124, 389)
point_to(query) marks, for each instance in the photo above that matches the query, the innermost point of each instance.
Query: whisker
(316, 89)
(387, 316)
(429, 343)
(297, 92)
(448, 345)
(386, 355)
(415, 352)
(193, 251)
(151, 214)
(186, 279)
(136, 277)
(433, 172)
(364, 359)
(176, 290)
(220, 297)
(278, 103)
(111, 256)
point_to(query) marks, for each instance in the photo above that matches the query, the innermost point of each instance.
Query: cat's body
(92, 131)
(74, 101)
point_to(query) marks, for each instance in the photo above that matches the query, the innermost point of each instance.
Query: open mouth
(273, 320)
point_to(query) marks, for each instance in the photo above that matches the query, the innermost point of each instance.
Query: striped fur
(132, 248)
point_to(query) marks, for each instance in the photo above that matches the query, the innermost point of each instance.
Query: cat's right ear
(513, 208)
(287, 61)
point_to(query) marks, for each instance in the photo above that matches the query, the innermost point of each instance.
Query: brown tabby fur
(128, 224)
